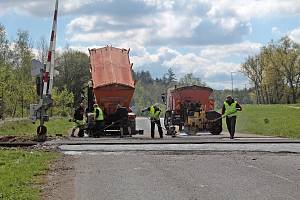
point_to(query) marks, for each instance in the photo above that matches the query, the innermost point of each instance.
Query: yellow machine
(196, 120)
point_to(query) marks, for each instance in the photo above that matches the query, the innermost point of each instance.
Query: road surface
(180, 171)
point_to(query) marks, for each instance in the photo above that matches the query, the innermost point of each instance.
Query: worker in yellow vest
(154, 114)
(78, 119)
(230, 109)
(99, 119)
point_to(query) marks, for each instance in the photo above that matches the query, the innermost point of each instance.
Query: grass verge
(273, 120)
(26, 128)
(22, 173)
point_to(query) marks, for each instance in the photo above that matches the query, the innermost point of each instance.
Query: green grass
(273, 120)
(21, 173)
(26, 128)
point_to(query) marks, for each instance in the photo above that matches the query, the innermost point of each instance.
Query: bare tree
(42, 47)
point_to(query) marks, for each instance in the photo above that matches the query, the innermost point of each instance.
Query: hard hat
(96, 105)
(156, 104)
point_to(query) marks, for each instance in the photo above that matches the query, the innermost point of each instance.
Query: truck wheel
(167, 119)
(41, 133)
(215, 128)
(215, 131)
(180, 127)
(187, 129)
(81, 133)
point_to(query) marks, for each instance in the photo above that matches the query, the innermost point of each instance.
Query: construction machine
(191, 108)
(112, 88)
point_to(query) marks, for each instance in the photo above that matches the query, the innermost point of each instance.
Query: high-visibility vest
(154, 114)
(230, 110)
(100, 117)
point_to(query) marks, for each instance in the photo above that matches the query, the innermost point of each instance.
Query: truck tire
(187, 129)
(41, 133)
(81, 133)
(167, 119)
(180, 127)
(214, 127)
(132, 125)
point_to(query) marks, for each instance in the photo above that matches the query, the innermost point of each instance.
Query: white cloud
(295, 35)
(247, 9)
(198, 36)
(85, 23)
(159, 22)
(275, 30)
(218, 52)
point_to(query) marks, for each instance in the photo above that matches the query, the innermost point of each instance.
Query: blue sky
(209, 38)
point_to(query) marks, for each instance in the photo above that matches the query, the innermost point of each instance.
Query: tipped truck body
(113, 83)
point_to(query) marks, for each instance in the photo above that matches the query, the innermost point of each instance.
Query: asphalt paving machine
(191, 108)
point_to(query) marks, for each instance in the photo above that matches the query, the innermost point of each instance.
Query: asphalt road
(190, 176)
(230, 171)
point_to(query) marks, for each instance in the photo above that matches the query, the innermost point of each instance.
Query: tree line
(149, 90)
(275, 72)
(17, 86)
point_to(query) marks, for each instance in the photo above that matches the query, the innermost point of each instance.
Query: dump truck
(112, 86)
(191, 108)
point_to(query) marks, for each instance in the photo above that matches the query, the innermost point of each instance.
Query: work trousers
(160, 131)
(230, 122)
(99, 126)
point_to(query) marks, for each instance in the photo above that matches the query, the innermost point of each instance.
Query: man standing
(121, 116)
(229, 110)
(78, 118)
(154, 113)
(99, 119)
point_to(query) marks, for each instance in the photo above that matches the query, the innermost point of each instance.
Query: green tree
(63, 102)
(190, 79)
(275, 72)
(289, 53)
(170, 76)
(74, 74)
(4, 46)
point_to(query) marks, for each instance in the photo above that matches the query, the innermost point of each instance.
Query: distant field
(26, 128)
(274, 120)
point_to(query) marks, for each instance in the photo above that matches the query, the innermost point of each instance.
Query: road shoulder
(60, 179)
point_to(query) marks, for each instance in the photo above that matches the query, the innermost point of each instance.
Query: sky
(209, 38)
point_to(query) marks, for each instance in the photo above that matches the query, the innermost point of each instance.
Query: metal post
(22, 105)
(231, 83)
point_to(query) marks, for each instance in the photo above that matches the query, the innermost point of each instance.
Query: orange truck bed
(113, 83)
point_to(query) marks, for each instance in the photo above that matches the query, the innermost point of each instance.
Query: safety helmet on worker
(96, 105)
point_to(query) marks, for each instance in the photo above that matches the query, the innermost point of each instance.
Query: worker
(78, 118)
(121, 116)
(154, 113)
(229, 110)
(99, 119)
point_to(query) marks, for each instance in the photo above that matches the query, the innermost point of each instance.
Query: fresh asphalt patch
(273, 148)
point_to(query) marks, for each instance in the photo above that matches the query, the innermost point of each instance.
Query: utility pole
(22, 106)
(231, 83)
